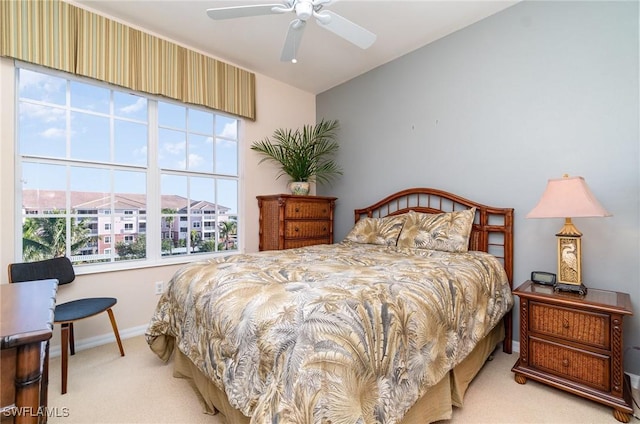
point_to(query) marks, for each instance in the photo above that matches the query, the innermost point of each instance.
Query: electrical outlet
(159, 287)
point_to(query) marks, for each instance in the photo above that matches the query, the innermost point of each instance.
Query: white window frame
(154, 257)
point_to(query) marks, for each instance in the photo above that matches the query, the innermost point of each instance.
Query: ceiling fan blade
(346, 29)
(244, 11)
(292, 42)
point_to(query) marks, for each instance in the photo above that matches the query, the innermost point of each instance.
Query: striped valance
(61, 36)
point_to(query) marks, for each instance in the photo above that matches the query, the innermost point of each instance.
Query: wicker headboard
(492, 230)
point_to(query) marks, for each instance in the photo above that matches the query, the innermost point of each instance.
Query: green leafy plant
(303, 154)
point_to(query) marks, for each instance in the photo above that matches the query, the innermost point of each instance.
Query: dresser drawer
(301, 210)
(305, 229)
(589, 328)
(581, 366)
(294, 243)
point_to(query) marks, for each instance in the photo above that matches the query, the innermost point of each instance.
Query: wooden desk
(26, 325)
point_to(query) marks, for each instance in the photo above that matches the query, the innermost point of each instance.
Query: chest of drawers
(288, 221)
(574, 343)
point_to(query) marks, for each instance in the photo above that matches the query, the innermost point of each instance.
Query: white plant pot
(299, 188)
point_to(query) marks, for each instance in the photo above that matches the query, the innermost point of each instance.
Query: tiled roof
(56, 199)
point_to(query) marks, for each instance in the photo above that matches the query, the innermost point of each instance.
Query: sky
(106, 126)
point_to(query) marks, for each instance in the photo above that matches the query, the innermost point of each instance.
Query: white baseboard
(55, 351)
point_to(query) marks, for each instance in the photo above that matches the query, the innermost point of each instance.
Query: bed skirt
(437, 404)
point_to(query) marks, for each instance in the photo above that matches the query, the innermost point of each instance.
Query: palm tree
(195, 239)
(31, 246)
(227, 229)
(169, 221)
(47, 237)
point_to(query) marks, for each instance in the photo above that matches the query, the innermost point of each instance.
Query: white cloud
(229, 130)
(43, 83)
(174, 148)
(135, 107)
(195, 160)
(41, 113)
(225, 143)
(53, 133)
(141, 152)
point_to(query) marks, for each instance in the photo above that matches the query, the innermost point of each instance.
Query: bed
(389, 325)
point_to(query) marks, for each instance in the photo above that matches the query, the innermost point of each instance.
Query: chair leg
(72, 339)
(64, 347)
(112, 318)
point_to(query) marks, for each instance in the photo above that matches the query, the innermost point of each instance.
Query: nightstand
(574, 343)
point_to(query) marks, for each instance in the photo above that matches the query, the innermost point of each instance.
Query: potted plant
(305, 155)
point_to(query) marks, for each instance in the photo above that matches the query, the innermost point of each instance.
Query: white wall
(278, 105)
(493, 111)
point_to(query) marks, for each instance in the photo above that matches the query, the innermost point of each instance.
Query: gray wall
(492, 112)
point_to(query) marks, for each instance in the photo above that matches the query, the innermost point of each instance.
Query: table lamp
(568, 197)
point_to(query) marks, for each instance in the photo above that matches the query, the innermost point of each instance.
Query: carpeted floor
(139, 388)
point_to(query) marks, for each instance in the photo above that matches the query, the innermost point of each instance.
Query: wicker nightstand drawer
(305, 229)
(301, 210)
(570, 324)
(578, 365)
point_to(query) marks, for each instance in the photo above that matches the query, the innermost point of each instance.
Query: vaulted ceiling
(324, 59)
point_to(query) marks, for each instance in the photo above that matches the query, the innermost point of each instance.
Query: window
(96, 162)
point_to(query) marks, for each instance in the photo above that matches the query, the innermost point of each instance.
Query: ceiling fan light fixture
(304, 10)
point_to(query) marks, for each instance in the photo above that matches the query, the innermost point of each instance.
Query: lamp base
(573, 288)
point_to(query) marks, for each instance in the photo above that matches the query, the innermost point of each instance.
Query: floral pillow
(382, 231)
(447, 232)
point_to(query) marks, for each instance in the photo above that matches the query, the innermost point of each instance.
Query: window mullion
(153, 231)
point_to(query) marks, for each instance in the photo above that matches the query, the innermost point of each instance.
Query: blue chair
(67, 313)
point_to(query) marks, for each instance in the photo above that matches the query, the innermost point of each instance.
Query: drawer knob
(296, 229)
(565, 323)
(297, 209)
(565, 363)
(324, 228)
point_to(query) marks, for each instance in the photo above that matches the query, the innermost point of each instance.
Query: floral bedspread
(343, 333)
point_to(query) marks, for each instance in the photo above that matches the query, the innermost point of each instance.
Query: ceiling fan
(304, 10)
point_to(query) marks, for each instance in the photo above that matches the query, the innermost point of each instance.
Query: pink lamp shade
(568, 197)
